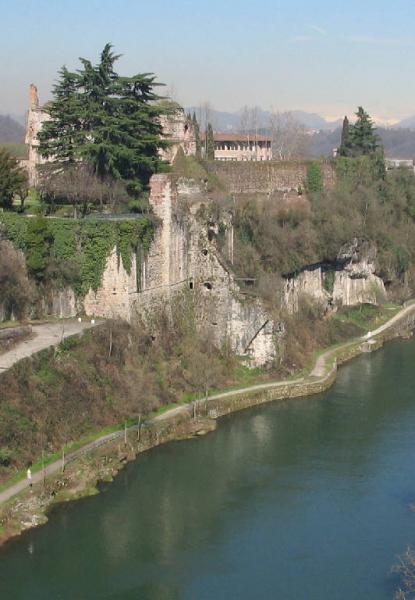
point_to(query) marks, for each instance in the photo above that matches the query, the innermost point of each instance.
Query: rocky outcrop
(351, 279)
(183, 256)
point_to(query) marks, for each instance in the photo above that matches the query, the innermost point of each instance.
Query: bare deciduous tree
(82, 188)
(16, 291)
(289, 136)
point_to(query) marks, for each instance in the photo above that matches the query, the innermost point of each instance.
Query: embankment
(102, 459)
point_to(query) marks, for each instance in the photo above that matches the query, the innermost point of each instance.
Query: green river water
(304, 499)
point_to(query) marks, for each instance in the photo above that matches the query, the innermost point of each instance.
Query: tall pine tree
(364, 140)
(107, 121)
(62, 135)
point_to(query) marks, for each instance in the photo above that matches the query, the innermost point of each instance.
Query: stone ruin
(177, 129)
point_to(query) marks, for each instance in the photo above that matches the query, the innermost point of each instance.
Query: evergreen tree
(109, 122)
(344, 149)
(363, 138)
(62, 135)
(13, 179)
(314, 181)
(210, 143)
(196, 130)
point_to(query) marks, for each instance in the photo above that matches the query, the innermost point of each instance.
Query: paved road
(319, 370)
(43, 336)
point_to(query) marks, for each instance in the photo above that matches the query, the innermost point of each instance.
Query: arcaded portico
(238, 146)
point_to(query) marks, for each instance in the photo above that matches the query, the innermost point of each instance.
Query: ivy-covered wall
(73, 252)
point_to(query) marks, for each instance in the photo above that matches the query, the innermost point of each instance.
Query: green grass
(366, 316)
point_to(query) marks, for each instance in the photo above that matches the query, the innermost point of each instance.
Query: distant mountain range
(11, 131)
(231, 121)
(399, 140)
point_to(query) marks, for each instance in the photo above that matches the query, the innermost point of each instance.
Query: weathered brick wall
(268, 176)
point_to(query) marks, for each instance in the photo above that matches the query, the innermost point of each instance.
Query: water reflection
(299, 499)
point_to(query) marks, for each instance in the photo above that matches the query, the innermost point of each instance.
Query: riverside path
(319, 372)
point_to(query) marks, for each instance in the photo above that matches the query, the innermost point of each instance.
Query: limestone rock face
(355, 282)
(112, 299)
(63, 304)
(358, 258)
(309, 282)
(350, 280)
(183, 256)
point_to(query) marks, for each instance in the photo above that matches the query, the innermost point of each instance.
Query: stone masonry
(183, 256)
(176, 128)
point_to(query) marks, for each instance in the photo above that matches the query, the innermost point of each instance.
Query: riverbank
(103, 458)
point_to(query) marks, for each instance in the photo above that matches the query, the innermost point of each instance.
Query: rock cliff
(183, 256)
(351, 279)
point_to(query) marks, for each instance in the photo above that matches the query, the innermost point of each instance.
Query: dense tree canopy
(108, 121)
(359, 139)
(13, 179)
(363, 139)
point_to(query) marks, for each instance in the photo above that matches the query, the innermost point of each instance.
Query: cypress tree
(210, 143)
(344, 149)
(196, 130)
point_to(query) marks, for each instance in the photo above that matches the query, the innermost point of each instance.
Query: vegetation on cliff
(112, 373)
(13, 179)
(277, 238)
(62, 252)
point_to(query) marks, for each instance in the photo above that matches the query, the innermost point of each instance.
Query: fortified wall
(183, 256)
(267, 177)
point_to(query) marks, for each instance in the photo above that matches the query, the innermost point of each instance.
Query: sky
(323, 56)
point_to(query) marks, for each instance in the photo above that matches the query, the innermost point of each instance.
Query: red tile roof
(238, 137)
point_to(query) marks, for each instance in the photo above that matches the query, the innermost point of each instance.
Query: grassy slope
(91, 385)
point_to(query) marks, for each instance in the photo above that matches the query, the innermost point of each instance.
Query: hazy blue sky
(326, 56)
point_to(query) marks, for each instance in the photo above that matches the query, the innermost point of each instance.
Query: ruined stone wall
(176, 129)
(183, 256)
(179, 131)
(113, 297)
(36, 116)
(267, 177)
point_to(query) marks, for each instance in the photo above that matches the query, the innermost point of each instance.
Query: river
(296, 500)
